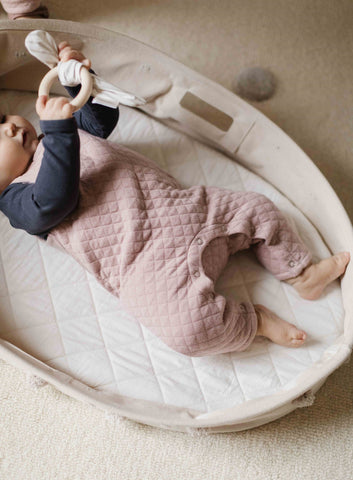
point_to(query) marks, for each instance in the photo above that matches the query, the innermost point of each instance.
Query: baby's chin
(32, 146)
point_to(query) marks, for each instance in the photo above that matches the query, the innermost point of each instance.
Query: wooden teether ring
(83, 95)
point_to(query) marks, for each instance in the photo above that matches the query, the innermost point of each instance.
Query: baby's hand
(66, 52)
(57, 108)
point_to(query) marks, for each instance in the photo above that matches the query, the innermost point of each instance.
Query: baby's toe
(342, 259)
(298, 338)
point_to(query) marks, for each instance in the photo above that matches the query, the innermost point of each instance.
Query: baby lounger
(58, 323)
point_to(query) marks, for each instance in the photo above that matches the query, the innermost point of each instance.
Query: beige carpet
(308, 45)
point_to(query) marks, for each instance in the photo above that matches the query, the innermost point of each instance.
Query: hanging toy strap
(42, 45)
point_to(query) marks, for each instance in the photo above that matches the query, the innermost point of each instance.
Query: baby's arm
(38, 207)
(95, 119)
(92, 117)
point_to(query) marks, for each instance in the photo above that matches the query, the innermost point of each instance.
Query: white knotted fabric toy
(42, 45)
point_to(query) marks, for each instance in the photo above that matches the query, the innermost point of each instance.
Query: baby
(163, 247)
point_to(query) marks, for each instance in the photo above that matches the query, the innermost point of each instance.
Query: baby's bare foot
(278, 330)
(312, 281)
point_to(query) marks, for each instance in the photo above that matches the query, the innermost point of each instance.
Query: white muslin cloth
(42, 45)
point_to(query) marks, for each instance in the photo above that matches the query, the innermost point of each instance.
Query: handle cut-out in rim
(83, 95)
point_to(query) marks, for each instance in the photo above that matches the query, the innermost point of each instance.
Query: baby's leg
(310, 285)
(283, 253)
(279, 331)
(313, 279)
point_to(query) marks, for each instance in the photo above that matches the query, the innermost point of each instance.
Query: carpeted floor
(45, 435)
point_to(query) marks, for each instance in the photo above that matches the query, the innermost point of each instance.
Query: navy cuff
(66, 125)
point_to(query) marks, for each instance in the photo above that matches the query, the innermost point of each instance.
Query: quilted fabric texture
(160, 247)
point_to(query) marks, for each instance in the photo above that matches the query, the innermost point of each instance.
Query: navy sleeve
(38, 207)
(96, 119)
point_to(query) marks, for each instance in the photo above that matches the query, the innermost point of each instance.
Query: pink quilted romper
(160, 248)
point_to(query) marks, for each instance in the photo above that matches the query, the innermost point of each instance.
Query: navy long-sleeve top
(40, 206)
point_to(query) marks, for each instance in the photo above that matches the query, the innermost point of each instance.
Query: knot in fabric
(69, 73)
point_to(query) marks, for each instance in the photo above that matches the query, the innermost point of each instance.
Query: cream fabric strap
(42, 45)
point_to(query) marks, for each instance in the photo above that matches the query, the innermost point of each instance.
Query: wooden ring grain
(83, 95)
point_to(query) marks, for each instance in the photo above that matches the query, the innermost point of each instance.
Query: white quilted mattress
(52, 309)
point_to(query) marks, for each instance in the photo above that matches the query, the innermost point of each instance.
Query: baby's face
(18, 142)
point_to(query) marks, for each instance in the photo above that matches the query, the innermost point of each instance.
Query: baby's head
(18, 142)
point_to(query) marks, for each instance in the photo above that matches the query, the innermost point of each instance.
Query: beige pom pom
(255, 83)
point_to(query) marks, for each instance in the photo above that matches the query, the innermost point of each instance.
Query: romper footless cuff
(295, 267)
